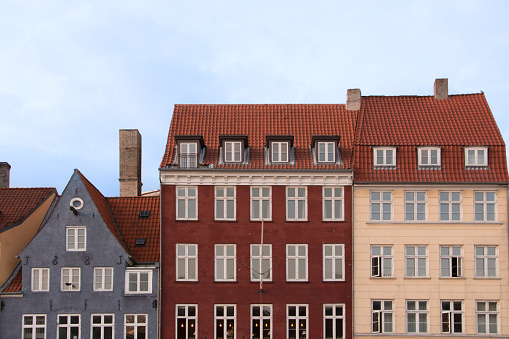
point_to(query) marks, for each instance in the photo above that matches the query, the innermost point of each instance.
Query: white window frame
(382, 316)
(224, 259)
(425, 156)
(72, 235)
(226, 321)
(279, 152)
(478, 161)
(261, 203)
(40, 279)
(416, 201)
(138, 273)
(484, 260)
(450, 206)
(226, 197)
(293, 260)
(185, 196)
(34, 326)
(384, 159)
(296, 319)
(332, 195)
(418, 258)
(102, 325)
(454, 261)
(191, 321)
(68, 324)
(300, 212)
(100, 278)
(417, 311)
(482, 200)
(70, 284)
(488, 314)
(333, 257)
(327, 148)
(382, 261)
(256, 261)
(261, 321)
(332, 313)
(231, 153)
(188, 158)
(184, 258)
(451, 313)
(135, 324)
(384, 204)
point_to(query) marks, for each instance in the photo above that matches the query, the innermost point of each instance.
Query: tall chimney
(353, 99)
(130, 162)
(441, 88)
(5, 170)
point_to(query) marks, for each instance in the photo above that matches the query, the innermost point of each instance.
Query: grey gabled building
(91, 271)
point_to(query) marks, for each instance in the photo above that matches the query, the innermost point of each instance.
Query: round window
(77, 203)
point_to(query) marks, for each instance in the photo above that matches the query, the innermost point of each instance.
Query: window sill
(487, 278)
(145, 294)
(417, 278)
(434, 222)
(383, 278)
(452, 278)
(226, 281)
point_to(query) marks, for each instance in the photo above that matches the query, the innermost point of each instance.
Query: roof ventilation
(144, 214)
(140, 242)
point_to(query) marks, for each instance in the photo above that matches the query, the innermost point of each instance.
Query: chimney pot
(441, 89)
(5, 170)
(353, 99)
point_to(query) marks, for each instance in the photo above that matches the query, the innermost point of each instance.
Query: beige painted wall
(13, 241)
(432, 233)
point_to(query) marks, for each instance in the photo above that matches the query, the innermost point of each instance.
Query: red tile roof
(18, 203)
(126, 211)
(303, 121)
(15, 284)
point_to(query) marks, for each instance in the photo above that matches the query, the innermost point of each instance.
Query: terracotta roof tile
(15, 284)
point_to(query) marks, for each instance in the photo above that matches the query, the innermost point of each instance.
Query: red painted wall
(206, 232)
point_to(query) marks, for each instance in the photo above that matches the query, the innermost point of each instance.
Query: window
(415, 206)
(279, 151)
(334, 321)
(382, 316)
(225, 203)
(71, 278)
(452, 316)
(102, 326)
(333, 262)
(261, 321)
(486, 262)
(187, 321)
(476, 156)
(76, 238)
(135, 326)
(417, 316)
(381, 206)
(40, 279)
(450, 261)
(297, 321)
(416, 261)
(225, 317)
(103, 278)
(232, 151)
(139, 281)
(34, 326)
(487, 317)
(296, 203)
(69, 326)
(265, 258)
(384, 156)
(187, 262)
(332, 203)
(188, 154)
(296, 262)
(261, 203)
(381, 261)
(429, 156)
(225, 262)
(326, 151)
(450, 206)
(187, 202)
(484, 206)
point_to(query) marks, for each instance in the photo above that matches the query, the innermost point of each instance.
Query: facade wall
(433, 233)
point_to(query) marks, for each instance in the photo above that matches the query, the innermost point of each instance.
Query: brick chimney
(353, 99)
(5, 170)
(441, 88)
(130, 162)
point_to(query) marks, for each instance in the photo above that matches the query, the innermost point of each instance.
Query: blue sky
(72, 73)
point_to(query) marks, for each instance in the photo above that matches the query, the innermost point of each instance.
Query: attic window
(144, 214)
(280, 148)
(233, 147)
(325, 148)
(140, 242)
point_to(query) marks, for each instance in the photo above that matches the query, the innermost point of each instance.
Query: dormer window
(384, 156)
(476, 156)
(190, 149)
(326, 151)
(233, 148)
(429, 156)
(325, 148)
(279, 149)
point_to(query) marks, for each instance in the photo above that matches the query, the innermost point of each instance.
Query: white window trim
(40, 281)
(384, 163)
(261, 317)
(259, 257)
(334, 317)
(34, 325)
(451, 312)
(415, 257)
(67, 243)
(429, 149)
(296, 265)
(186, 199)
(138, 272)
(487, 313)
(260, 198)
(225, 206)
(224, 319)
(485, 258)
(135, 324)
(297, 318)
(450, 203)
(296, 198)
(476, 160)
(449, 257)
(326, 144)
(71, 287)
(380, 262)
(286, 144)
(333, 199)
(102, 325)
(485, 203)
(225, 258)
(186, 258)
(415, 202)
(187, 317)
(334, 257)
(233, 159)
(69, 325)
(381, 203)
(382, 313)
(417, 311)
(103, 279)
(191, 158)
